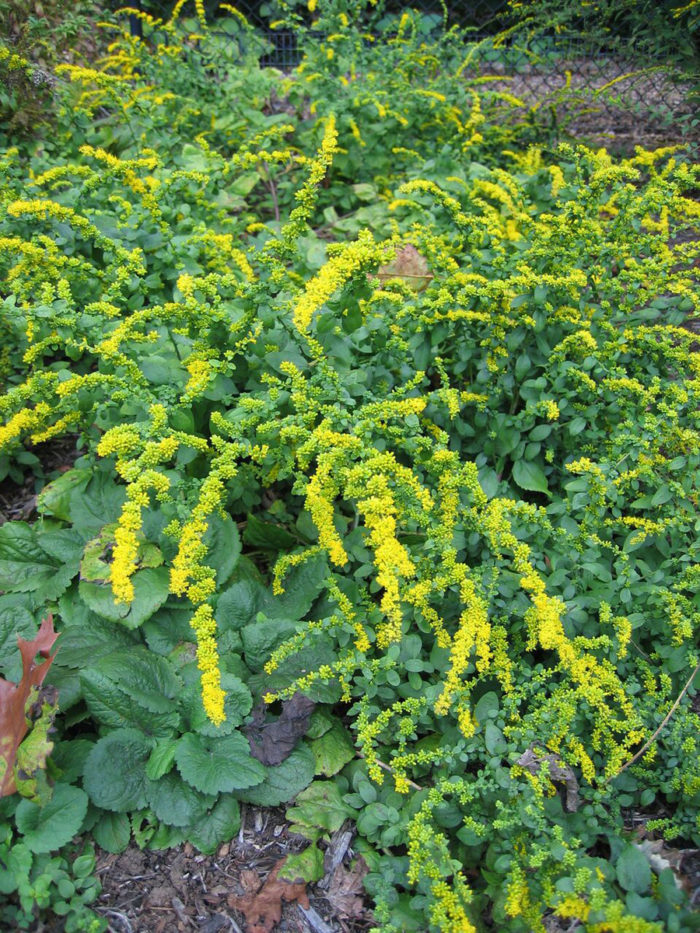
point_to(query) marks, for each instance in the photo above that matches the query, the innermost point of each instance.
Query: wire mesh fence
(602, 88)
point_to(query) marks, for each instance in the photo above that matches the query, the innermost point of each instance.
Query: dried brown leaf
(262, 910)
(559, 773)
(409, 266)
(272, 742)
(346, 892)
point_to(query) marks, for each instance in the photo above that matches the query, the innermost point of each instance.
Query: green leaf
(493, 740)
(633, 870)
(115, 771)
(163, 370)
(151, 589)
(302, 585)
(224, 546)
(333, 750)
(177, 803)
(47, 828)
(55, 498)
(99, 504)
(25, 566)
(218, 765)
(487, 707)
(15, 620)
(303, 866)
(132, 688)
(261, 638)
(90, 639)
(237, 705)
(530, 476)
(161, 759)
(217, 827)
(168, 628)
(662, 495)
(267, 535)
(239, 604)
(112, 832)
(283, 782)
(318, 810)
(244, 184)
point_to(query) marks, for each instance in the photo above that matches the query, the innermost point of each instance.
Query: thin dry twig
(666, 718)
(386, 767)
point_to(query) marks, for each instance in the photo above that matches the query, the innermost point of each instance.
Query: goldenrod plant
(454, 506)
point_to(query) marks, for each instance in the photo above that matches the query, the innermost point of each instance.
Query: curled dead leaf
(262, 908)
(409, 266)
(559, 773)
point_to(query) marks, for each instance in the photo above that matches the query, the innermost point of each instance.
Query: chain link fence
(612, 92)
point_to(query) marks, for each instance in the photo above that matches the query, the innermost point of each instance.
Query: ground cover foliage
(382, 405)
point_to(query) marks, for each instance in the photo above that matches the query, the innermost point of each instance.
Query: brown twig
(666, 718)
(386, 767)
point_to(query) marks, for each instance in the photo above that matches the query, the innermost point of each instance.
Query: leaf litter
(237, 889)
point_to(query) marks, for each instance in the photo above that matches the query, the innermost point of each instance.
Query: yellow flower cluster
(354, 256)
(391, 558)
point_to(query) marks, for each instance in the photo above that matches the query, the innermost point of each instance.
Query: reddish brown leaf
(272, 742)
(262, 910)
(409, 266)
(346, 893)
(16, 699)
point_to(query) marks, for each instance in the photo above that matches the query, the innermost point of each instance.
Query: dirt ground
(236, 889)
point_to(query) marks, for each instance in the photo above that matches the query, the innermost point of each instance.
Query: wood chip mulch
(180, 890)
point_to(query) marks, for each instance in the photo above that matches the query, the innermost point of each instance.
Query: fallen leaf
(272, 742)
(559, 772)
(409, 266)
(18, 701)
(346, 892)
(262, 910)
(661, 856)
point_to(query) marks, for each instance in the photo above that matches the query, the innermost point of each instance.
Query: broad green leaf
(151, 589)
(167, 628)
(90, 639)
(267, 535)
(111, 706)
(55, 498)
(112, 832)
(98, 504)
(319, 810)
(163, 370)
(161, 759)
(47, 828)
(333, 750)
(15, 620)
(303, 866)
(487, 707)
(493, 740)
(69, 758)
(301, 585)
(224, 546)
(237, 705)
(218, 765)
(24, 564)
(239, 604)
(147, 678)
(115, 771)
(633, 870)
(218, 826)
(176, 803)
(530, 476)
(283, 782)
(244, 184)
(261, 638)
